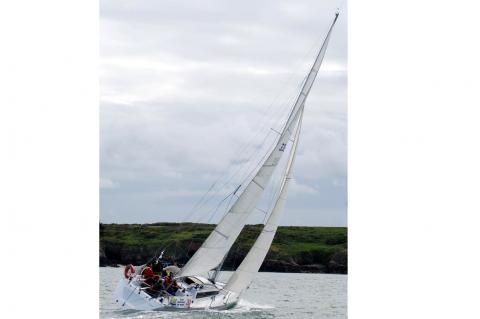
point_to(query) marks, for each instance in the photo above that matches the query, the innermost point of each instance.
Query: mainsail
(219, 242)
(250, 265)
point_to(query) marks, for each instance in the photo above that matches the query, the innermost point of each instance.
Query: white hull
(130, 295)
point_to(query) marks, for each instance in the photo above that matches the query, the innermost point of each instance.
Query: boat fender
(128, 271)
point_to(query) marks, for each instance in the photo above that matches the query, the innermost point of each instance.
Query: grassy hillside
(294, 249)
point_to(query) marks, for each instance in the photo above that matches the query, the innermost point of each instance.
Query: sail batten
(219, 242)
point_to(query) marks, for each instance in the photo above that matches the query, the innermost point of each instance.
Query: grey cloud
(185, 83)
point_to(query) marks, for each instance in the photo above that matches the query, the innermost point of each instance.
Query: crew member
(147, 271)
(170, 284)
(148, 275)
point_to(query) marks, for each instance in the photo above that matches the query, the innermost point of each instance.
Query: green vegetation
(304, 249)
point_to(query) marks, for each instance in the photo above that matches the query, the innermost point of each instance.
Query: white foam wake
(245, 305)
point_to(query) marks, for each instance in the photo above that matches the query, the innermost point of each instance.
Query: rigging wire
(288, 105)
(278, 188)
(263, 119)
(261, 123)
(241, 150)
(274, 191)
(218, 206)
(254, 152)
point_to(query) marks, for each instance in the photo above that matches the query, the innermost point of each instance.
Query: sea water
(271, 295)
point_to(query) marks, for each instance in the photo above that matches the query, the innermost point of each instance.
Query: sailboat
(195, 289)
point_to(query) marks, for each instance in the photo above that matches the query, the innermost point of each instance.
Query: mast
(221, 239)
(252, 262)
(302, 97)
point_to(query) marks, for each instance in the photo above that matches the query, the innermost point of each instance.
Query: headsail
(250, 265)
(219, 242)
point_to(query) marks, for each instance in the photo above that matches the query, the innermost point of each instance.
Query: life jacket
(167, 282)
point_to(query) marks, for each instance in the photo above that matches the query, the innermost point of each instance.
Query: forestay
(250, 265)
(219, 242)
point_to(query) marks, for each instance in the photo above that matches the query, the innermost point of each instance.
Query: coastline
(295, 249)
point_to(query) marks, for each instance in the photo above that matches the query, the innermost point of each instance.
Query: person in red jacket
(149, 276)
(147, 272)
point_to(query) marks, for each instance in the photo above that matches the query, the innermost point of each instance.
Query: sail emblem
(282, 148)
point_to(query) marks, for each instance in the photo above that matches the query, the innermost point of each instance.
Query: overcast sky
(190, 89)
